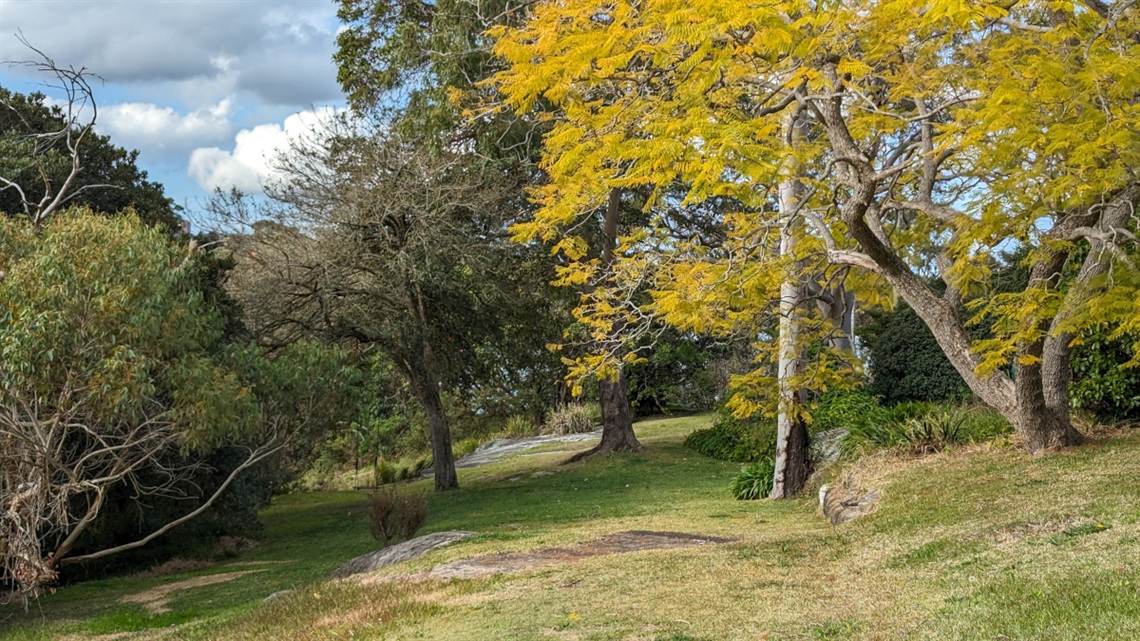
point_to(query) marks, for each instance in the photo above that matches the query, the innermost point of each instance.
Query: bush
(570, 419)
(518, 427)
(905, 362)
(384, 473)
(842, 408)
(1100, 383)
(924, 427)
(465, 447)
(736, 440)
(754, 481)
(394, 516)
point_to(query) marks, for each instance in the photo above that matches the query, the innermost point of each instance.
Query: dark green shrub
(736, 440)
(842, 408)
(673, 377)
(924, 427)
(754, 481)
(1100, 384)
(395, 516)
(905, 362)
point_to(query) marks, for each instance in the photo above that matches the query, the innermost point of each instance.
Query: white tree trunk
(791, 435)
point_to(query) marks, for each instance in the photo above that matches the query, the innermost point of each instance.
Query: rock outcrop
(405, 551)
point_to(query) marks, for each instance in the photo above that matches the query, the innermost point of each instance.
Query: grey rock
(405, 551)
(541, 473)
(839, 508)
(276, 595)
(825, 445)
(502, 447)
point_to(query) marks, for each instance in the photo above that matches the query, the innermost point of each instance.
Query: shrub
(466, 446)
(1100, 382)
(905, 362)
(924, 427)
(736, 440)
(842, 408)
(384, 473)
(518, 427)
(570, 419)
(395, 515)
(754, 481)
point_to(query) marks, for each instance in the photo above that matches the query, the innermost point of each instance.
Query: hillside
(978, 543)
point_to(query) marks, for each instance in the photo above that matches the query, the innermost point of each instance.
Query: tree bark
(425, 384)
(617, 419)
(443, 461)
(791, 465)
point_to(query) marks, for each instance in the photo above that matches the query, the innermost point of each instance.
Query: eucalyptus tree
(52, 157)
(373, 239)
(114, 377)
(425, 64)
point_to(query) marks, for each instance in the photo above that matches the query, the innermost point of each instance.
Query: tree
(937, 134)
(427, 63)
(51, 157)
(111, 369)
(375, 240)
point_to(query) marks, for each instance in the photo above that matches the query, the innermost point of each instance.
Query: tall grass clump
(754, 481)
(574, 418)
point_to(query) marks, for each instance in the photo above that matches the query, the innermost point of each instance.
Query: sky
(206, 90)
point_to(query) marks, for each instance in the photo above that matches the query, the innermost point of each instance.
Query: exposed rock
(825, 445)
(276, 595)
(840, 507)
(405, 551)
(541, 473)
(631, 541)
(497, 449)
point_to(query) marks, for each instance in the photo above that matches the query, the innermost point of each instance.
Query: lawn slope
(985, 543)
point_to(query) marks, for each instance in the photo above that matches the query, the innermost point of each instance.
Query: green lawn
(980, 544)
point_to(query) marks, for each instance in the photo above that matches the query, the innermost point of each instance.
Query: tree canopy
(934, 135)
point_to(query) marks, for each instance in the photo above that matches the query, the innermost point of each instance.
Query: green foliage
(924, 427)
(122, 185)
(736, 440)
(754, 481)
(1101, 381)
(106, 311)
(904, 361)
(842, 408)
(384, 473)
(673, 377)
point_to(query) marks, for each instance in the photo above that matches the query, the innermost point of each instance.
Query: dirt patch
(631, 541)
(157, 599)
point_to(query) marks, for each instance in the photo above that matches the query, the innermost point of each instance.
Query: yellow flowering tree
(926, 137)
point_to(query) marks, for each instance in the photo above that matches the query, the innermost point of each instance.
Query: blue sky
(206, 90)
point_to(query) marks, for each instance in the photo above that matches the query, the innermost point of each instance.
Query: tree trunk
(425, 384)
(791, 465)
(443, 460)
(617, 419)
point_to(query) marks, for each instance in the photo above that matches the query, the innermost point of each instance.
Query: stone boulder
(840, 506)
(825, 445)
(410, 549)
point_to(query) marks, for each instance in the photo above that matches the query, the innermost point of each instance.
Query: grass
(975, 543)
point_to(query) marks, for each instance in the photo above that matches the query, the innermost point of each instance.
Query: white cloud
(158, 130)
(250, 165)
(230, 43)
